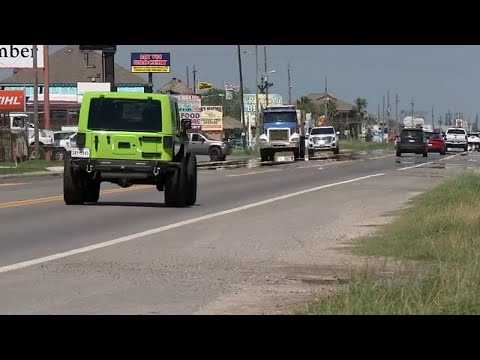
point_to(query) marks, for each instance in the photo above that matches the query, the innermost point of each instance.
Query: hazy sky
(445, 77)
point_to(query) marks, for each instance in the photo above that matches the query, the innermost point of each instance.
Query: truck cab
(281, 132)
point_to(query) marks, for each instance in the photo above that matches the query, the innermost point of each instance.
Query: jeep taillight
(81, 139)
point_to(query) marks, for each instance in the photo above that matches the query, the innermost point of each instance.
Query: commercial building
(68, 67)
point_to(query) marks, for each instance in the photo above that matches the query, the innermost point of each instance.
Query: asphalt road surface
(248, 244)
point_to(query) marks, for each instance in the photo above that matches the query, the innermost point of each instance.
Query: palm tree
(332, 109)
(307, 105)
(361, 106)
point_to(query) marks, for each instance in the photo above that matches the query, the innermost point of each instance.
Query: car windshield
(456, 131)
(322, 131)
(61, 136)
(411, 133)
(125, 115)
(280, 117)
(433, 135)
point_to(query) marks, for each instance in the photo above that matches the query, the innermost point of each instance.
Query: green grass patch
(440, 231)
(253, 153)
(358, 145)
(27, 166)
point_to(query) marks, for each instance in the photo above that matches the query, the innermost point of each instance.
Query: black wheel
(443, 152)
(92, 192)
(425, 154)
(296, 154)
(336, 151)
(399, 153)
(72, 186)
(222, 158)
(192, 179)
(465, 148)
(215, 153)
(271, 156)
(176, 188)
(264, 155)
(311, 153)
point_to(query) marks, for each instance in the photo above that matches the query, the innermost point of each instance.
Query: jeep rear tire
(176, 188)
(215, 153)
(72, 187)
(92, 192)
(191, 179)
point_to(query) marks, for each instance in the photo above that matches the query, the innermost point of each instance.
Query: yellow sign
(202, 85)
(212, 118)
(152, 69)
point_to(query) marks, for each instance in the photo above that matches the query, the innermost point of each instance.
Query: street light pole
(35, 102)
(257, 118)
(242, 109)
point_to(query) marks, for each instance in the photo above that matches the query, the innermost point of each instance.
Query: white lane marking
(123, 239)
(415, 166)
(430, 162)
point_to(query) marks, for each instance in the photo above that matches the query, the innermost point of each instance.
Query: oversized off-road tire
(399, 153)
(72, 186)
(264, 155)
(191, 179)
(336, 151)
(176, 188)
(215, 153)
(91, 192)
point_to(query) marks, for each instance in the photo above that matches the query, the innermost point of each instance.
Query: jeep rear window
(125, 115)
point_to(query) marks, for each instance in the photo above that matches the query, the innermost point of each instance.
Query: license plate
(411, 140)
(80, 153)
(321, 142)
(429, 144)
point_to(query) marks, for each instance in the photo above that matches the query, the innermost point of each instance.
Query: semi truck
(282, 132)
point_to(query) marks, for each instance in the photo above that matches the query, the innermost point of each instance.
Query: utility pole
(396, 109)
(35, 101)
(46, 88)
(242, 109)
(289, 86)
(265, 75)
(257, 105)
(194, 79)
(188, 77)
(388, 113)
(433, 119)
(412, 103)
(383, 117)
(378, 113)
(326, 99)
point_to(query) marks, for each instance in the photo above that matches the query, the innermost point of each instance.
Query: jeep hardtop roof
(127, 95)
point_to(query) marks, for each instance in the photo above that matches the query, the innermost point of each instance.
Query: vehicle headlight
(295, 138)
(263, 138)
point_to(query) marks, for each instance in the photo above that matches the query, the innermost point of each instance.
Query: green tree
(361, 106)
(307, 105)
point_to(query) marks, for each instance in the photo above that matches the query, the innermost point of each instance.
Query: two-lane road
(36, 223)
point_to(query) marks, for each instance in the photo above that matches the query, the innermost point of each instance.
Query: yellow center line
(254, 172)
(60, 197)
(13, 184)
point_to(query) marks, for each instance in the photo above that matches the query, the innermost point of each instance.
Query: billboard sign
(20, 56)
(212, 118)
(150, 62)
(190, 107)
(12, 100)
(250, 101)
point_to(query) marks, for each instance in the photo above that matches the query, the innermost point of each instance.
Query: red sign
(12, 100)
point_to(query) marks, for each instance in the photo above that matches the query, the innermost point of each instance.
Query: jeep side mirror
(186, 124)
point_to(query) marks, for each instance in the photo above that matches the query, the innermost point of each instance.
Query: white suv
(323, 138)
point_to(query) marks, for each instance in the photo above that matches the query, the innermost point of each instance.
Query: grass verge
(358, 145)
(440, 231)
(252, 153)
(7, 168)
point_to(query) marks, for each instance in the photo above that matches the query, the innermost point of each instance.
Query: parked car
(436, 143)
(202, 144)
(412, 140)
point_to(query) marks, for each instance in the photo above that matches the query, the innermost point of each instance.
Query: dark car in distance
(413, 141)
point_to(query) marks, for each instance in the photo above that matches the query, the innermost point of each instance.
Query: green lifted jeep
(126, 139)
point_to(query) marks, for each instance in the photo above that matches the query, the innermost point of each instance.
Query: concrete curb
(32, 174)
